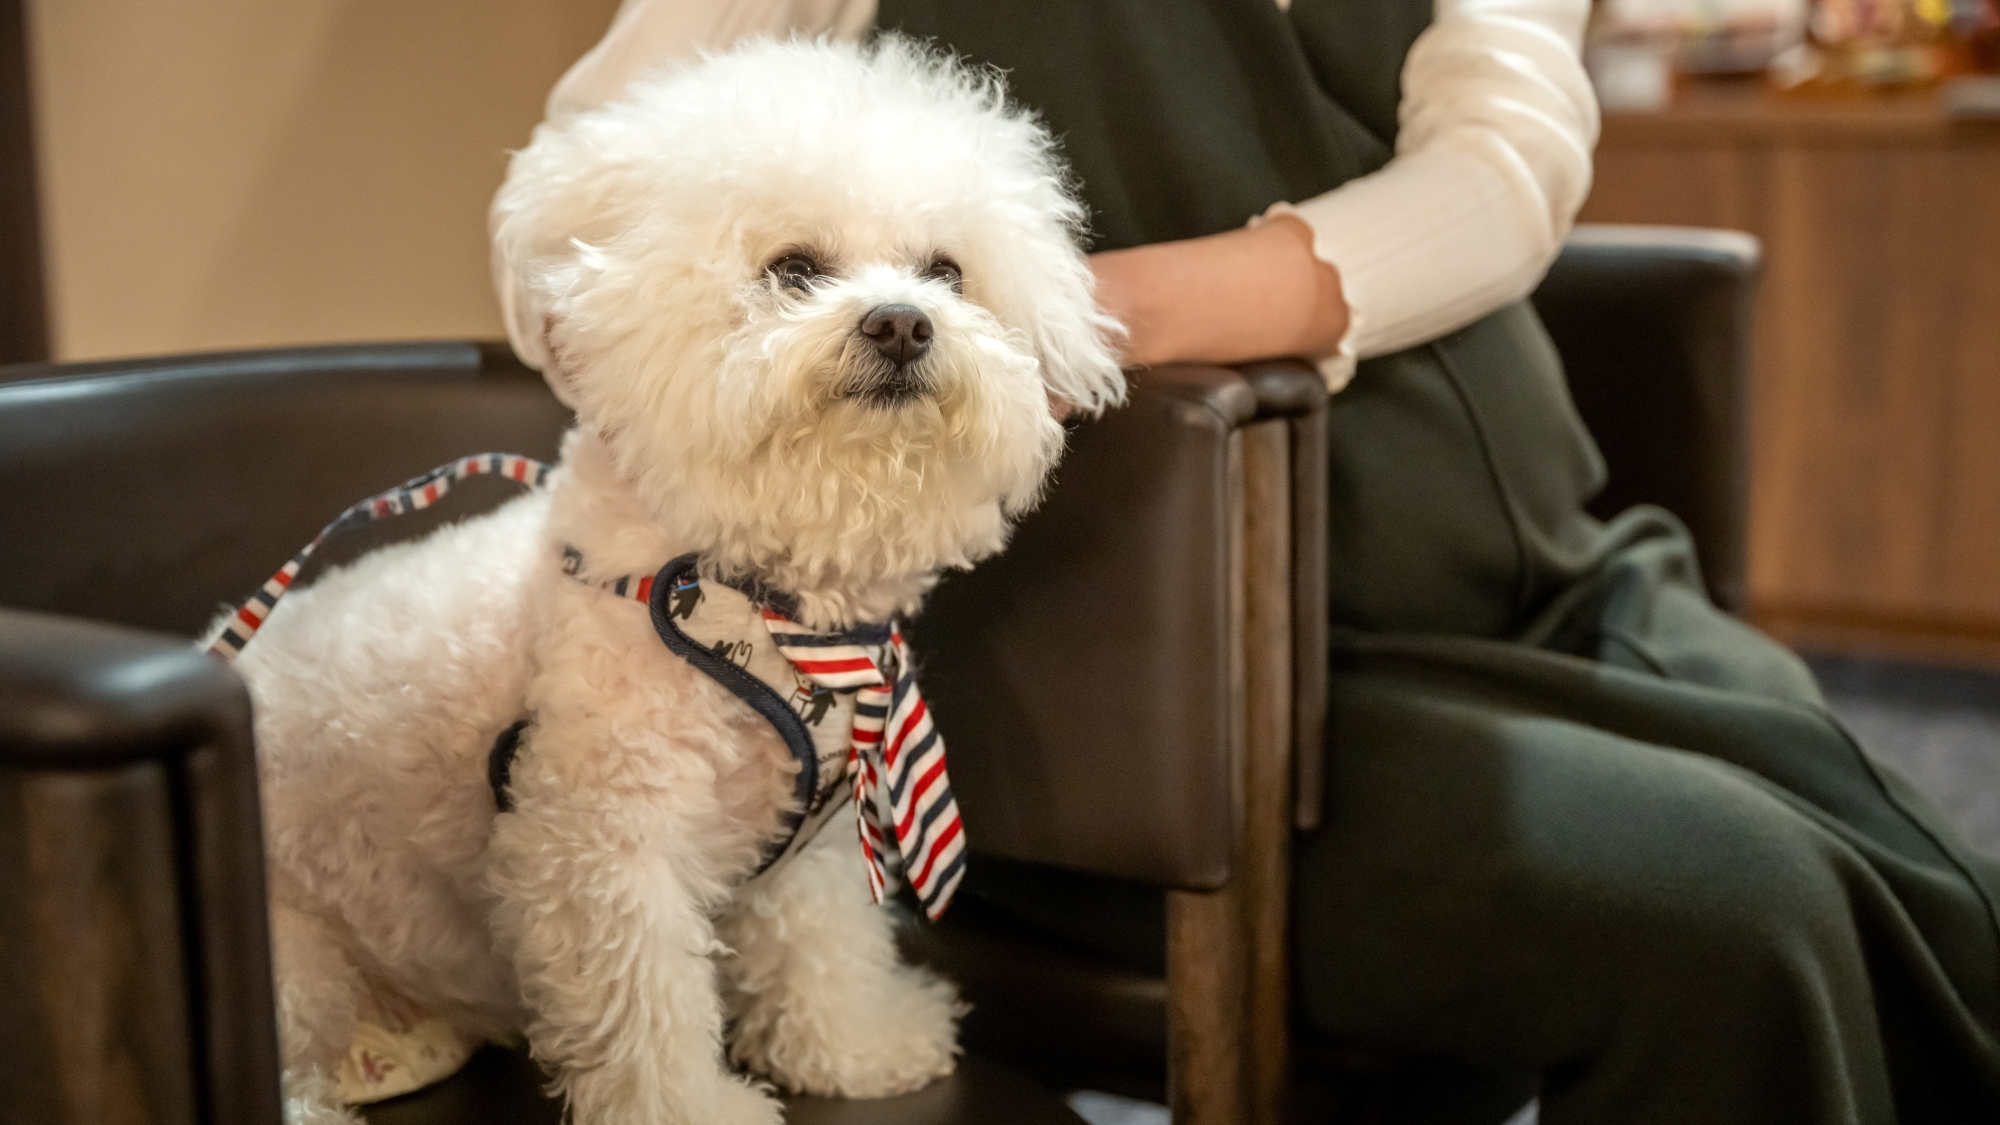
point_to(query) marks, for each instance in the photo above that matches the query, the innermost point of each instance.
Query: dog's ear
(1076, 341)
(556, 366)
(562, 194)
(1079, 347)
(1040, 283)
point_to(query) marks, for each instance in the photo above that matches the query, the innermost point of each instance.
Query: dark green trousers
(1674, 902)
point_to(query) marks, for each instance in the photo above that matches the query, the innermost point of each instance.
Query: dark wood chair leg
(1226, 972)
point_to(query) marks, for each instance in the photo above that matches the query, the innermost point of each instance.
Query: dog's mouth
(891, 386)
(875, 380)
(885, 357)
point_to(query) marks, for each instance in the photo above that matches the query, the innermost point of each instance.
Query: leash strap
(411, 495)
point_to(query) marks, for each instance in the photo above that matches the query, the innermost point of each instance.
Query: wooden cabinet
(1875, 488)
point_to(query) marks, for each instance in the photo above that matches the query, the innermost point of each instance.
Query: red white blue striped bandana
(411, 495)
(900, 785)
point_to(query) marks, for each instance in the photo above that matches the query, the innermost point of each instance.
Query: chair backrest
(151, 492)
(1653, 325)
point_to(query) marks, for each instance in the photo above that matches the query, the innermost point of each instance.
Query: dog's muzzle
(900, 336)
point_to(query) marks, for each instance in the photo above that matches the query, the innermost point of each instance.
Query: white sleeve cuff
(1338, 368)
(1430, 243)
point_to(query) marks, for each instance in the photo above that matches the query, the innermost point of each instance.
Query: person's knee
(1753, 898)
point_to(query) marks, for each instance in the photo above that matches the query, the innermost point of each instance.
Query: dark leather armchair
(152, 491)
(1128, 692)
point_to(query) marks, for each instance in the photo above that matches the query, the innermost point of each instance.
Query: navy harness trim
(744, 686)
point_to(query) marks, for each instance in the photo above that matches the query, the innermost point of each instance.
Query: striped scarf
(909, 820)
(900, 784)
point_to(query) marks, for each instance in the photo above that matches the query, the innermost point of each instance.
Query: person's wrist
(1324, 321)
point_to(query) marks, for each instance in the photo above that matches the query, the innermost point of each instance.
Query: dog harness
(845, 704)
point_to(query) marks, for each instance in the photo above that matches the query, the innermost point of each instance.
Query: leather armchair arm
(76, 695)
(128, 759)
(1090, 680)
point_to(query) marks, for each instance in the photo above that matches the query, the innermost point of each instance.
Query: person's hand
(1245, 294)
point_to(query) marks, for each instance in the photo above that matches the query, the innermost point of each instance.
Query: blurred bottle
(1879, 44)
(1977, 23)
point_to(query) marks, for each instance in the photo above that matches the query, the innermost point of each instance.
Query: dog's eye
(945, 270)
(795, 271)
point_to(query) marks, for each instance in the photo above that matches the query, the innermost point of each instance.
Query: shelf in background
(1875, 482)
(1710, 111)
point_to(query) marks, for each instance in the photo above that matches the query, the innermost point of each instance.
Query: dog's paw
(629, 1095)
(313, 1098)
(742, 1103)
(902, 1036)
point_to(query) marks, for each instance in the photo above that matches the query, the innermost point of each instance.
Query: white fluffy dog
(812, 304)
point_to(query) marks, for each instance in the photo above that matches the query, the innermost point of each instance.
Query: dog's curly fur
(723, 408)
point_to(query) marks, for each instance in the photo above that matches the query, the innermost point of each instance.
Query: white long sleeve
(1497, 123)
(648, 33)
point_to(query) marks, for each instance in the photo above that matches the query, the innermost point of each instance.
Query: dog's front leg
(612, 946)
(820, 1001)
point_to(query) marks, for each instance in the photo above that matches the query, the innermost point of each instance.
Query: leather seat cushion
(501, 1086)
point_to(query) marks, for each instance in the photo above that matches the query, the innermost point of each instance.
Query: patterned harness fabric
(909, 819)
(895, 758)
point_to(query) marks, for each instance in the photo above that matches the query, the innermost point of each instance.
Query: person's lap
(1661, 933)
(1577, 820)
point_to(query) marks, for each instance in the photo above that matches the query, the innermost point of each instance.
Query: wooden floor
(1875, 493)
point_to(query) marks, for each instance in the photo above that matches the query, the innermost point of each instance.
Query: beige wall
(238, 173)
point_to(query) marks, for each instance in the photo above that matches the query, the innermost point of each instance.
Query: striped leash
(412, 495)
(896, 755)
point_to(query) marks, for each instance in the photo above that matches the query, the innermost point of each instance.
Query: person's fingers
(1060, 407)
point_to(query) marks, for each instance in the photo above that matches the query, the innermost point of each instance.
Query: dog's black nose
(902, 333)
